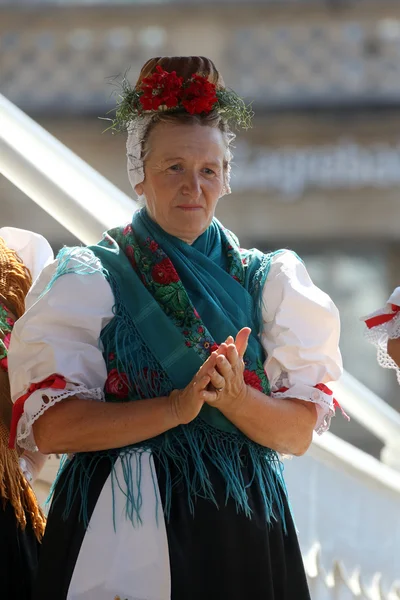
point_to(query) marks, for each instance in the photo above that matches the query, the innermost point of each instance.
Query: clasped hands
(219, 381)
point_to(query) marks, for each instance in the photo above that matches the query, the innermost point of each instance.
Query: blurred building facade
(320, 170)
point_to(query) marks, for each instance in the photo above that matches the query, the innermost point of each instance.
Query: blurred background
(319, 172)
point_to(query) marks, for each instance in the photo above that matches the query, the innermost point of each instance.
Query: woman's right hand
(187, 403)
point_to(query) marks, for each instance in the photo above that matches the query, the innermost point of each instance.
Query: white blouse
(60, 333)
(384, 325)
(32, 248)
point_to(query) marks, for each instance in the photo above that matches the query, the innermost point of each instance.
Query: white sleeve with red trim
(58, 336)
(300, 336)
(383, 325)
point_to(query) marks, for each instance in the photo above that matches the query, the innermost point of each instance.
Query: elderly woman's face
(184, 177)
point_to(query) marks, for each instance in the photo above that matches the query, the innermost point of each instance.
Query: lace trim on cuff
(379, 335)
(42, 399)
(320, 395)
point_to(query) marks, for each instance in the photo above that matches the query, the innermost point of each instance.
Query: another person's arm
(383, 331)
(393, 348)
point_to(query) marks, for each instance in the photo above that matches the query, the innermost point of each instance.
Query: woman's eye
(175, 168)
(209, 171)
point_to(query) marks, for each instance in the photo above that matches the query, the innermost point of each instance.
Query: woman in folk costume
(22, 254)
(383, 330)
(174, 367)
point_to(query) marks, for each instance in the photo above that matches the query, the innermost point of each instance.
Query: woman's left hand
(227, 377)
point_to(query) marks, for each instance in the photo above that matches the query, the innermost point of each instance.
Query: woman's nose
(191, 185)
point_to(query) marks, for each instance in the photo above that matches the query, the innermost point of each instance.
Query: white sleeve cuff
(39, 401)
(324, 402)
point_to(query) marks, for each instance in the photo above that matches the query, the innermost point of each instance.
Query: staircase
(345, 503)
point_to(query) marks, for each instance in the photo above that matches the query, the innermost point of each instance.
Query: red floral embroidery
(130, 252)
(200, 96)
(161, 89)
(127, 230)
(252, 379)
(117, 384)
(4, 360)
(153, 246)
(214, 347)
(164, 272)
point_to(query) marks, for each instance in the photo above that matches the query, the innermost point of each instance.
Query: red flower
(252, 379)
(7, 340)
(130, 252)
(4, 363)
(111, 356)
(164, 272)
(214, 347)
(117, 384)
(200, 330)
(153, 246)
(161, 89)
(196, 314)
(127, 229)
(200, 96)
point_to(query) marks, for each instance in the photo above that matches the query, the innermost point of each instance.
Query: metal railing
(373, 413)
(63, 184)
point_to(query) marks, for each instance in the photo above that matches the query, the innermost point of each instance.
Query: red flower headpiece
(162, 88)
(168, 92)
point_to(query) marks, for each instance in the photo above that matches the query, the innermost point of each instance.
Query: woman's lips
(190, 207)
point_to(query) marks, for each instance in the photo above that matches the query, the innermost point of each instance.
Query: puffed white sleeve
(301, 330)
(55, 349)
(383, 325)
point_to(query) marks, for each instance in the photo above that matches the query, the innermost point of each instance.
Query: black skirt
(217, 554)
(19, 556)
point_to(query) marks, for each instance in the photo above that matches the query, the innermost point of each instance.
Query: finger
(207, 366)
(217, 380)
(222, 349)
(224, 368)
(232, 355)
(209, 396)
(229, 340)
(201, 384)
(242, 340)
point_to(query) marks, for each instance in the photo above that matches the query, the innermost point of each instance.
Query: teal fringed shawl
(174, 303)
